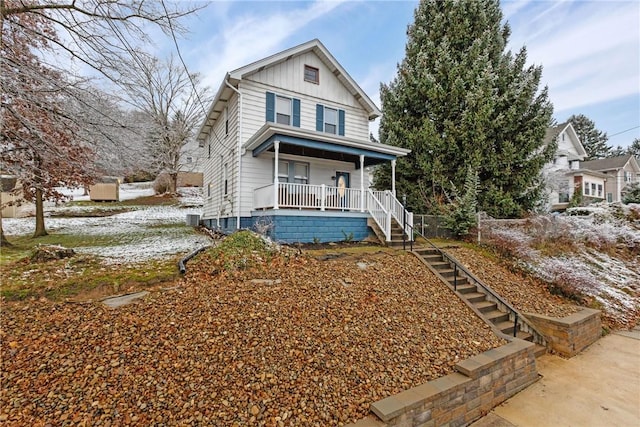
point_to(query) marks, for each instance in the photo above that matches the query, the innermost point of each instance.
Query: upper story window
(282, 109)
(311, 74)
(226, 121)
(329, 120)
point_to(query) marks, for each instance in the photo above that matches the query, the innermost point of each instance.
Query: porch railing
(381, 205)
(307, 196)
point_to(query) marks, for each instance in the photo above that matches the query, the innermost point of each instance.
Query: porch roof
(325, 146)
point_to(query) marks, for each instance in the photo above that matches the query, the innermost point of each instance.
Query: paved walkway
(598, 387)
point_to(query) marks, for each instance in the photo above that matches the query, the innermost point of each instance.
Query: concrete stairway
(476, 296)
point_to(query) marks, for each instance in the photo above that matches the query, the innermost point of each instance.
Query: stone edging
(480, 383)
(569, 335)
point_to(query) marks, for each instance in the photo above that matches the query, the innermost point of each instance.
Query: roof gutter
(238, 148)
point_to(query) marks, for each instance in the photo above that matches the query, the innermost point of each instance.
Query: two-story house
(565, 174)
(621, 172)
(286, 143)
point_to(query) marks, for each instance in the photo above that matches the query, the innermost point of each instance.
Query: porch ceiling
(322, 146)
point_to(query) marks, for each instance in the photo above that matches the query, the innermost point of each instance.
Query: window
(563, 136)
(586, 188)
(610, 197)
(311, 74)
(283, 110)
(189, 159)
(330, 120)
(209, 190)
(627, 176)
(593, 189)
(209, 155)
(599, 190)
(226, 121)
(290, 171)
(225, 179)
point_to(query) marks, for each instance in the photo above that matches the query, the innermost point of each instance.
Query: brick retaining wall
(481, 383)
(569, 335)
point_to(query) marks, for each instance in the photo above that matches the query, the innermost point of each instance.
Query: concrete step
(505, 326)
(448, 274)
(461, 281)
(539, 350)
(523, 336)
(440, 265)
(485, 306)
(465, 288)
(475, 297)
(427, 251)
(496, 316)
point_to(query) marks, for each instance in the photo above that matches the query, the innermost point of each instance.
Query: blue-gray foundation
(297, 226)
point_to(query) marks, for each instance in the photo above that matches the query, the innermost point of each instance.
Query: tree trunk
(3, 240)
(174, 182)
(40, 230)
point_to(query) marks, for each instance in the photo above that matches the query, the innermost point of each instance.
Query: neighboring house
(12, 203)
(620, 172)
(565, 174)
(191, 165)
(286, 144)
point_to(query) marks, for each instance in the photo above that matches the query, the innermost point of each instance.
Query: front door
(343, 180)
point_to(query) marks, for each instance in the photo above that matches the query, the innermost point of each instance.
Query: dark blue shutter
(319, 118)
(296, 112)
(271, 107)
(341, 122)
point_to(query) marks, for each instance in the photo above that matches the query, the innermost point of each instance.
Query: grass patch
(81, 276)
(23, 246)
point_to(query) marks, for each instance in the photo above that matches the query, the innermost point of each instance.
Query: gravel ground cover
(294, 340)
(525, 294)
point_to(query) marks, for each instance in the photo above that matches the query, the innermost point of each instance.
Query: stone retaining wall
(569, 335)
(481, 383)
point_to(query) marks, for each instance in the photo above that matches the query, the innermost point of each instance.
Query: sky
(589, 50)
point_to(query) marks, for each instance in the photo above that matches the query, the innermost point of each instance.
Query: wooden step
(485, 306)
(523, 336)
(475, 297)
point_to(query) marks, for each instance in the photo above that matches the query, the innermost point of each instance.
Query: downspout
(239, 147)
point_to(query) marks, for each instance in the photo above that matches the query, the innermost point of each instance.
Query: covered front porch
(323, 176)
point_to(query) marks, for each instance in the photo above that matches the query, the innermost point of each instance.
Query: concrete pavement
(598, 387)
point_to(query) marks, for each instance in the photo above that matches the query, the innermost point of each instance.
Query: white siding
(223, 150)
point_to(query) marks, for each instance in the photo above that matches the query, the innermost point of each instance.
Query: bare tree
(38, 93)
(172, 100)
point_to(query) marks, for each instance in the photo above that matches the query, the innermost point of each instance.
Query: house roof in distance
(233, 78)
(553, 132)
(611, 163)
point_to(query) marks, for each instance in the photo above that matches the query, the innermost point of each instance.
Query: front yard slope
(277, 339)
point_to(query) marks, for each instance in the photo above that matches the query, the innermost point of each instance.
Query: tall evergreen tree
(593, 140)
(459, 102)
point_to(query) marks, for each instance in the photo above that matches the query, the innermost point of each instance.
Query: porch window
(330, 120)
(609, 197)
(295, 172)
(599, 190)
(593, 189)
(586, 188)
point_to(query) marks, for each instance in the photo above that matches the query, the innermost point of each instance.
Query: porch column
(361, 182)
(276, 148)
(393, 177)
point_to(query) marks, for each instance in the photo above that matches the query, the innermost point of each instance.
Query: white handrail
(379, 214)
(397, 210)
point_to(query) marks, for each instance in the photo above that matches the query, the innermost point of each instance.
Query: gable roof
(553, 132)
(234, 77)
(610, 163)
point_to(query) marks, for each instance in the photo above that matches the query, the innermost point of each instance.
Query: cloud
(590, 51)
(253, 36)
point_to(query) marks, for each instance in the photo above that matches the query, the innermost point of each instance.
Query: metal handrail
(459, 266)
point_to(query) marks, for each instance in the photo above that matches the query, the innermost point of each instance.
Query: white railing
(379, 214)
(306, 196)
(381, 205)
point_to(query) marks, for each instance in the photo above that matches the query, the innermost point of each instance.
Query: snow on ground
(146, 232)
(594, 268)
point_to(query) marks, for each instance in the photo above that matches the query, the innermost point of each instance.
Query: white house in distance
(286, 143)
(621, 172)
(565, 175)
